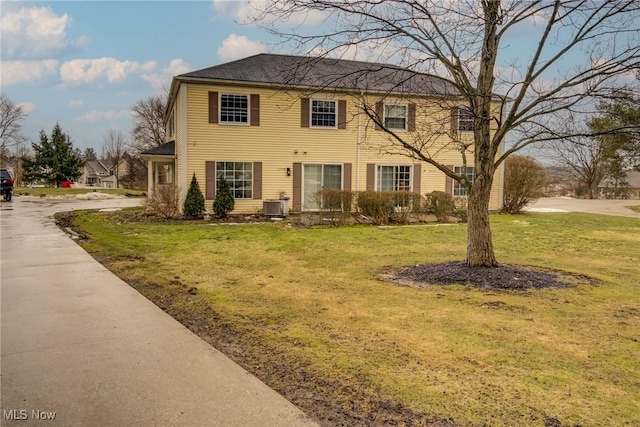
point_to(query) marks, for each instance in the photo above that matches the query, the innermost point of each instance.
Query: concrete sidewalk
(80, 343)
(598, 206)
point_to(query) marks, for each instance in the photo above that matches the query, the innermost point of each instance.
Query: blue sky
(84, 64)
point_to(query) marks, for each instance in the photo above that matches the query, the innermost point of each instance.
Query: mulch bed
(505, 277)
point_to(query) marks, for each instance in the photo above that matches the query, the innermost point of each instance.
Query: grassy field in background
(477, 357)
(634, 208)
(52, 191)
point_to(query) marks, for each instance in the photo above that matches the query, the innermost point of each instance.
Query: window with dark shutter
(304, 112)
(213, 107)
(210, 180)
(342, 114)
(254, 116)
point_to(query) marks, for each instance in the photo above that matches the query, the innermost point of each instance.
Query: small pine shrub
(194, 202)
(441, 205)
(224, 201)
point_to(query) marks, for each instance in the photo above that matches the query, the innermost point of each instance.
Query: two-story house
(279, 124)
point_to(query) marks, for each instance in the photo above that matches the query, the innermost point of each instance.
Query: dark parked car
(7, 184)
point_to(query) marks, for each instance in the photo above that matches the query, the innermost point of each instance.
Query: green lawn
(634, 208)
(48, 191)
(314, 299)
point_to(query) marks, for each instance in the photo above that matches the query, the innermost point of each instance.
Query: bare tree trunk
(479, 243)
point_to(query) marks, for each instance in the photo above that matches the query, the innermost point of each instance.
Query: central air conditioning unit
(272, 208)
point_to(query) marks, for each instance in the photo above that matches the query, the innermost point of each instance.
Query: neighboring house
(132, 172)
(94, 173)
(276, 125)
(609, 190)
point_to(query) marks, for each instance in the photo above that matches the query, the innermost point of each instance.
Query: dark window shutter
(304, 112)
(379, 113)
(454, 121)
(448, 183)
(342, 114)
(346, 177)
(257, 180)
(213, 107)
(254, 116)
(411, 125)
(297, 187)
(417, 170)
(210, 180)
(371, 177)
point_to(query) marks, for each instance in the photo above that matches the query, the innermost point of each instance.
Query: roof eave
(302, 88)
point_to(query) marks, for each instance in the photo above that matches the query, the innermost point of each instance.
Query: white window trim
(248, 123)
(252, 177)
(456, 183)
(305, 209)
(460, 111)
(406, 115)
(312, 126)
(378, 166)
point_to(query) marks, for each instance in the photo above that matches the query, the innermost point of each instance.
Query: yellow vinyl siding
(279, 141)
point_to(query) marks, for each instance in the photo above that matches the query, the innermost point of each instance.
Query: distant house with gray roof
(629, 189)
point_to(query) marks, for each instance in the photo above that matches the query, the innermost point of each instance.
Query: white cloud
(76, 103)
(15, 72)
(27, 107)
(97, 116)
(34, 32)
(235, 47)
(84, 71)
(246, 12)
(160, 80)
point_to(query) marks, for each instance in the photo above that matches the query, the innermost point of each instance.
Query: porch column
(150, 178)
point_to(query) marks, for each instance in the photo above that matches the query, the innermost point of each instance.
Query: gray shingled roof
(320, 73)
(166, 149)
(96, 167)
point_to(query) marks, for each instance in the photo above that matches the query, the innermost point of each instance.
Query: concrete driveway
(605, 207)
(82, 348)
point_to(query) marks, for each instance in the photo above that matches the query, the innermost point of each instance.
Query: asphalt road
(604, 206)
(80, 347)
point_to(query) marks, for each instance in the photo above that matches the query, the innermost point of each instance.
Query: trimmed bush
(440, 204)
(377, 206)
(194, 202)
(335, 204)
(461, 208)
(404, 203)
(524, 181)
(224, 201)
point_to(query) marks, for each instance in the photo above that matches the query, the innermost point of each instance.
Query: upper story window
(459, 189)
(395, 116)
(394, 178)
(465, 120)
(234, 108)
(323, 113)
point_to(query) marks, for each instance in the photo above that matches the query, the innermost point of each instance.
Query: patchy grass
(52, 191)
(305, 309)
(634, 208)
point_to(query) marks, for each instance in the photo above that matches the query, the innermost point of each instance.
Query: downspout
(358, 151)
